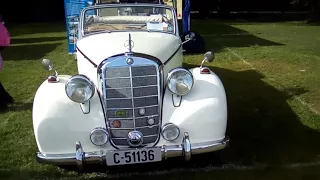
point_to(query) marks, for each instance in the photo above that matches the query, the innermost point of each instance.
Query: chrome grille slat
(131, 98)
(129, 77)
(142, 117)
(127, 89)
(133, 87)
(110, 119)
(131, 108)
(150, 116)
(136, 127)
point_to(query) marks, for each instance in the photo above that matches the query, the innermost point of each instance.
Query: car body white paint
(59, 122)
(98, 47)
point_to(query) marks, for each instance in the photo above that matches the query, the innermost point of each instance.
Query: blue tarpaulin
(72, 14)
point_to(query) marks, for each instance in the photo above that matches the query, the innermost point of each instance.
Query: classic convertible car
(131, 101)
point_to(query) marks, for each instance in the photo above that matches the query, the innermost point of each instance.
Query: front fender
(202, 112)
(59, 122)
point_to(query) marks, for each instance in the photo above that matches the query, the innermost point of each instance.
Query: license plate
(134, 156)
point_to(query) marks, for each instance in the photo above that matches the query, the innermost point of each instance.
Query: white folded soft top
(124, 19)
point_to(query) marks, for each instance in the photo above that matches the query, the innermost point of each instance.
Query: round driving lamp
(99, 136)
(170, 132)
(79, 88)
(180, 81)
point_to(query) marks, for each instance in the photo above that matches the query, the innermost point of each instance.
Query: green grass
(271, 72)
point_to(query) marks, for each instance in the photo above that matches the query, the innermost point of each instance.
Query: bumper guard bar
(80, 157)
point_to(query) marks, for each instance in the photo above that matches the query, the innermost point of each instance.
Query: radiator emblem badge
(135, 138)
(116, 124)
(121, 113)
(151, 122)
(142, 111)
(129, 61)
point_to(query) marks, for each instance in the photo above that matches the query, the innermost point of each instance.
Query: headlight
(180, 81)
(99, 136)
(170, 132)
(80, 89)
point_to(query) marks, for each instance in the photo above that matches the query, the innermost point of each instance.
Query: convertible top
(134, 1)
(124, 19)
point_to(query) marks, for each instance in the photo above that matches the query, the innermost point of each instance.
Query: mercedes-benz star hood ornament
(129, 44)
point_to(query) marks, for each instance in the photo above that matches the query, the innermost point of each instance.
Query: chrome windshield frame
(82, 17)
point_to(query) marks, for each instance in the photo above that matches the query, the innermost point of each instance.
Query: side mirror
(209, 56)
(47, 64)
(189, 37)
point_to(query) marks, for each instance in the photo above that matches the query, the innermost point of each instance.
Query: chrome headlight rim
(83, 77)
(175, 70)
(99, 129)
(170, 125)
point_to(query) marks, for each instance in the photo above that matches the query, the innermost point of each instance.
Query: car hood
(98, 47)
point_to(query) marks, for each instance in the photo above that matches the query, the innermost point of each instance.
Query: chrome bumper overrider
(80, 157)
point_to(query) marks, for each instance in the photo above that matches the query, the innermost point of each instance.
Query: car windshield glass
(128, 18)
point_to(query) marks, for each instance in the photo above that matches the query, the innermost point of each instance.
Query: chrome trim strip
(131, 108)
(150, 136)
(139, 97)
(141, 117)
(120, 119)
(134, 87)
(132, 97)
(133, 77)
(135, 128)
(98, 157)
(86, 57)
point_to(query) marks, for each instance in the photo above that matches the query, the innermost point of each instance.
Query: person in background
(5, 98)
(186, 16)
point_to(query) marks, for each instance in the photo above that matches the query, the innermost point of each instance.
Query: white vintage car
(131, 101)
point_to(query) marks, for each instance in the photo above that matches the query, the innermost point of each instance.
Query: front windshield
(129, 18)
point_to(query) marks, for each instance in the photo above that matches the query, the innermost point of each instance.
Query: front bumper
(80, 157)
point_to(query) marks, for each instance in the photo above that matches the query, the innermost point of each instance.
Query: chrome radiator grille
(128, 91)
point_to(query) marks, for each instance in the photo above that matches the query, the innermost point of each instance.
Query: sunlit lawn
(271, 72)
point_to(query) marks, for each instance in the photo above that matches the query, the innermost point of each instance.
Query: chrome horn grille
(132, 95)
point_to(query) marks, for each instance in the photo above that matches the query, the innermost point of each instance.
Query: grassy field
(271, 72)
